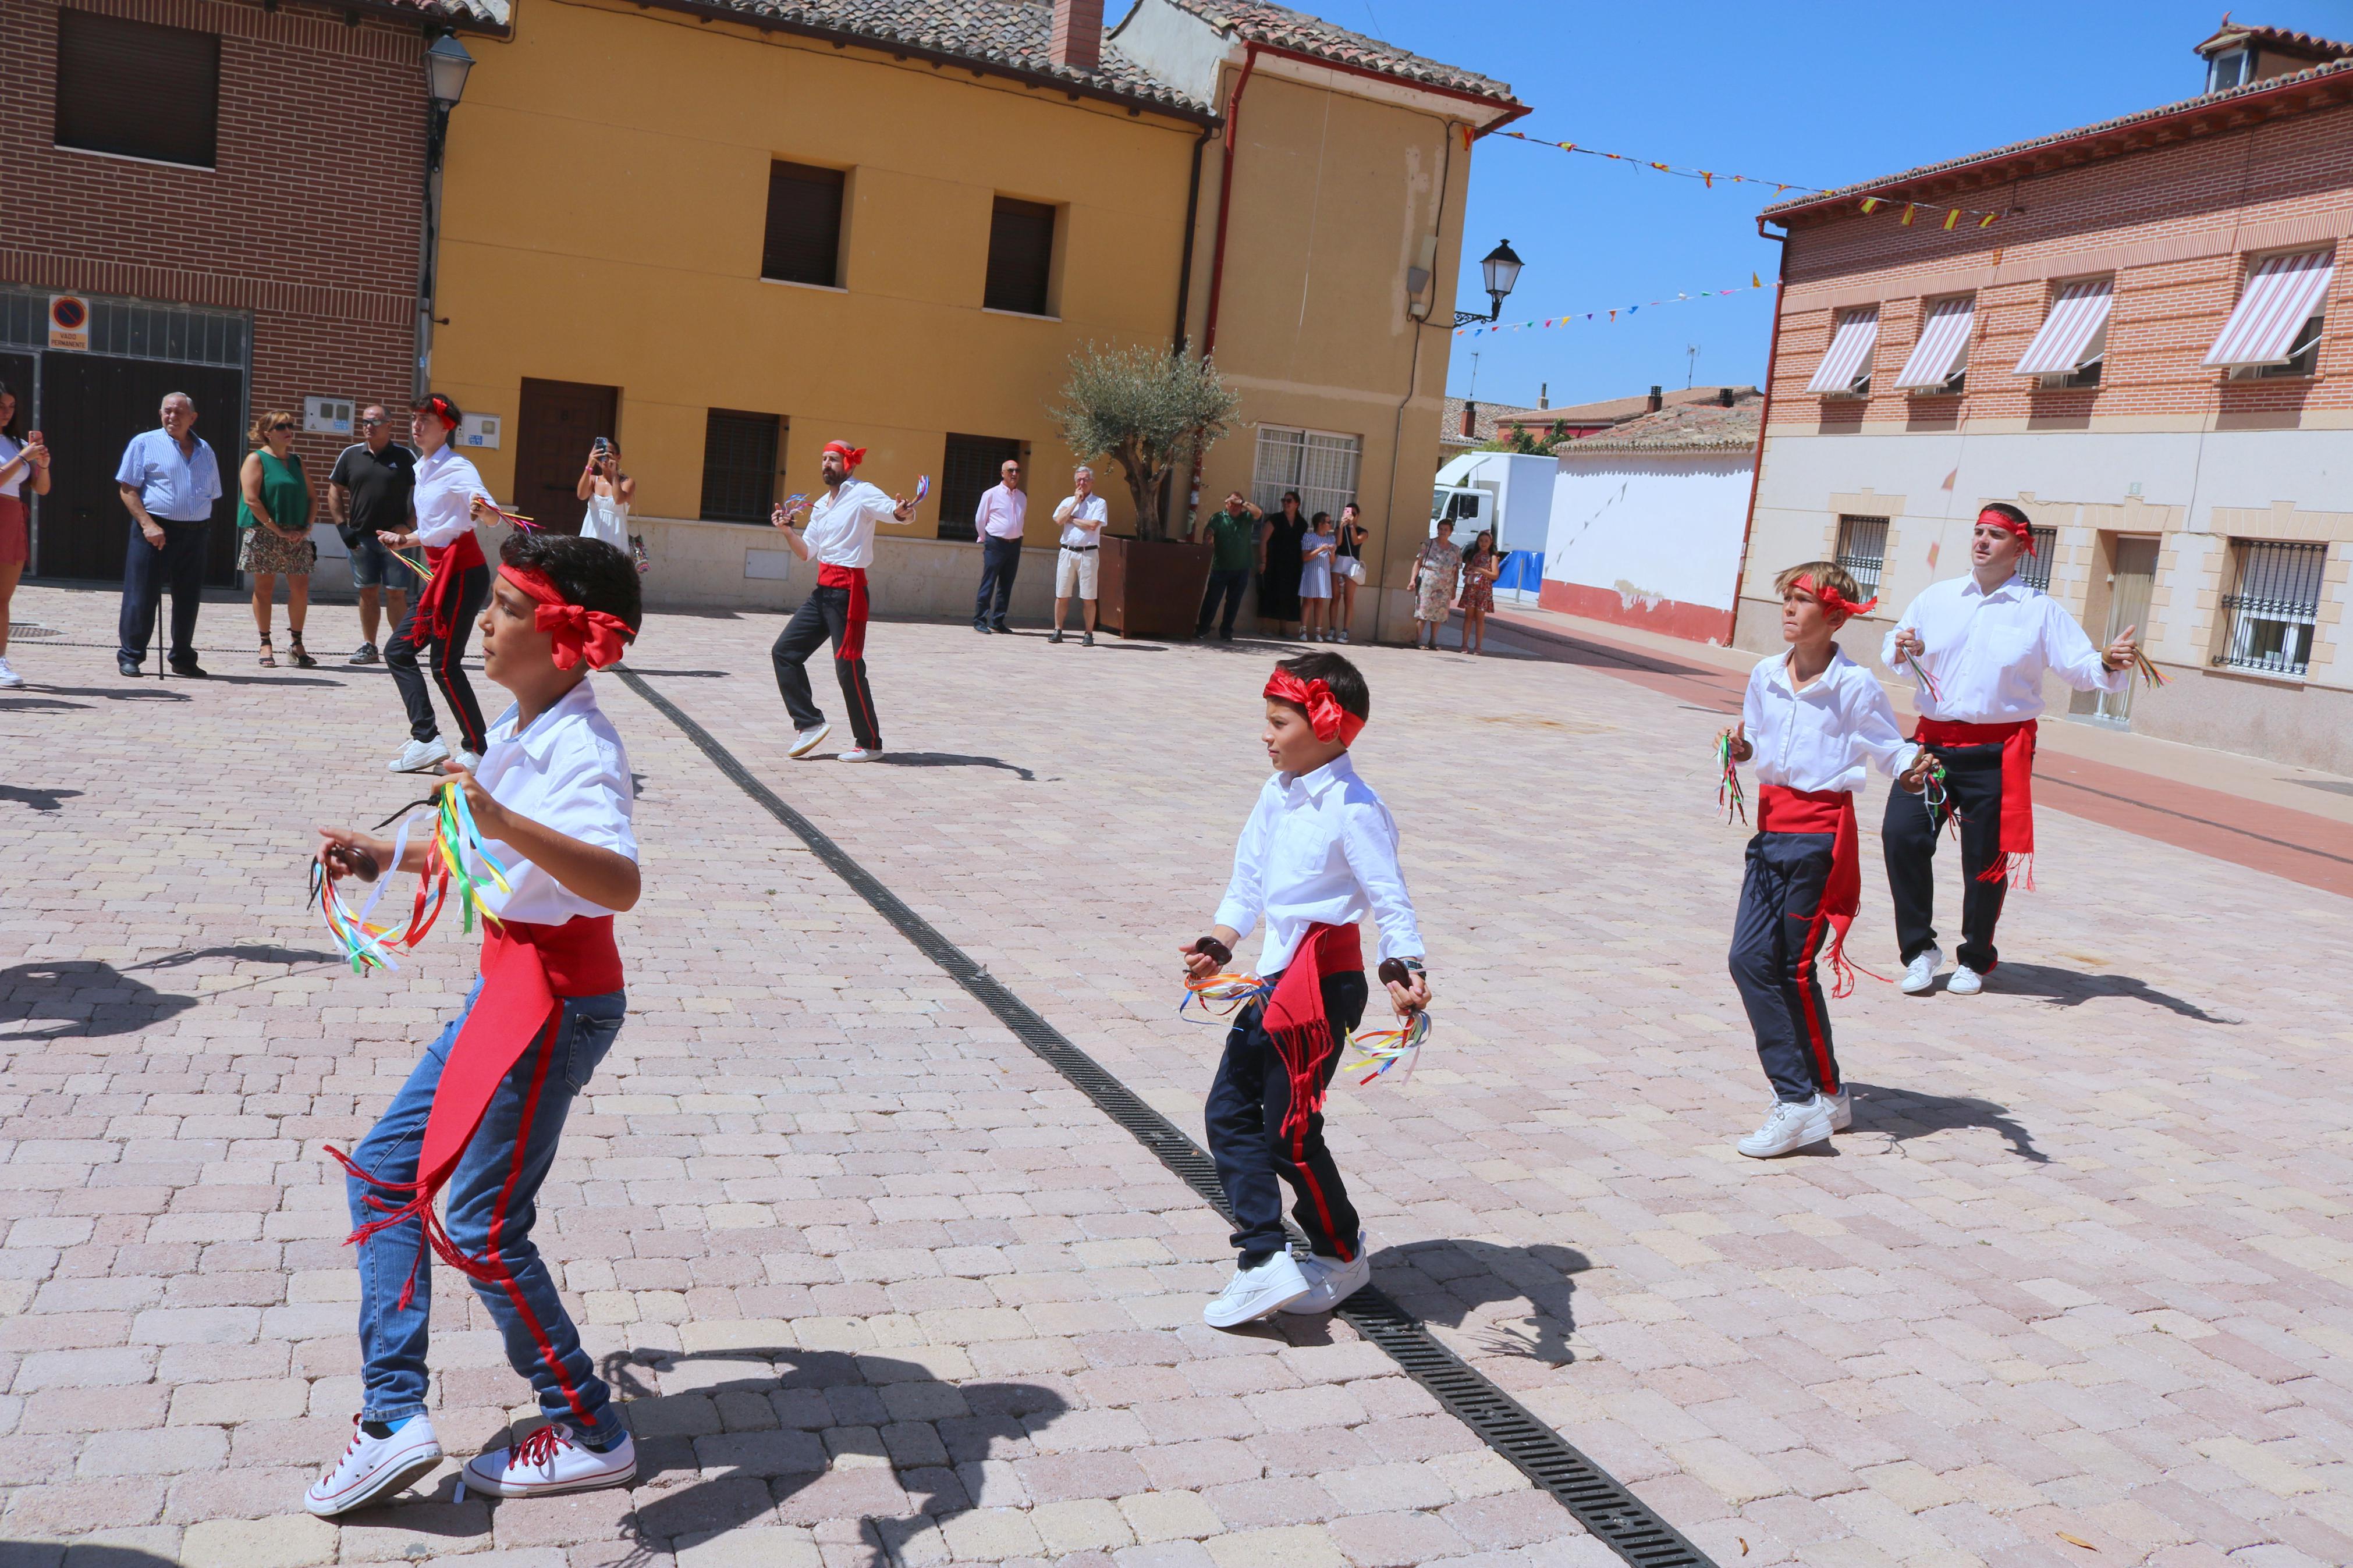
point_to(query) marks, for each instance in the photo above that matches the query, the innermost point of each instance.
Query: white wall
(1652, 527)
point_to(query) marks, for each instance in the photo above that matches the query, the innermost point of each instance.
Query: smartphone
(603, 446)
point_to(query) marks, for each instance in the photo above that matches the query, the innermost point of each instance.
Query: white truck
(1510, 492)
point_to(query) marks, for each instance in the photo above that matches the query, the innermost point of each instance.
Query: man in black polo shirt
(368, 491)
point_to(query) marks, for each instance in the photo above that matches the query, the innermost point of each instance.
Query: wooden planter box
(1151, 590)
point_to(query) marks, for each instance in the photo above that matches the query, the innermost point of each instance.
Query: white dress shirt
(447, 485)
(1319, 848)
(568, 772)
(1091, 509)
(1003, 511)
(1987, 652)
(174, 486)
(1823, 737)
(840, 530)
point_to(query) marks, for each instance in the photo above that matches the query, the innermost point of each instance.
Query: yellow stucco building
(725, 234)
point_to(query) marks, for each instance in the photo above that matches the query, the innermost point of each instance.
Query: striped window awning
(1848, 360)
(2070, 329)
(1943, 347)
(2283, 293)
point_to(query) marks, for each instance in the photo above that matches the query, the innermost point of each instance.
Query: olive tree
(1146, 409)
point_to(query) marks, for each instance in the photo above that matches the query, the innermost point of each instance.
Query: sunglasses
(365, 423)
(284, 424)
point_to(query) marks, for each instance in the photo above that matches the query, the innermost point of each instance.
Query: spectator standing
(168, 479)
(1279, 559)
(273, 531)
(1315, 577)
(1079, 565)
(19, 461)
(1231, 535)
(1348, 567)
(1480, 566)
(368, 494)
(609, 492)
(449, 498)
(1434, 573)
(997, 524)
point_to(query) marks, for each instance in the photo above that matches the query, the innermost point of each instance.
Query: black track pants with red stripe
(825, 613)
(1247, 1106)
(447, 655)
(1775, 938)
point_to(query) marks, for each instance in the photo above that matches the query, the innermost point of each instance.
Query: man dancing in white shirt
(1979, 646)
(841, 537)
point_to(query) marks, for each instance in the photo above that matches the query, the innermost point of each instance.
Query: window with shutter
(804, 234)
(739, 466)
(971, 466)
(136, 89)
(1020, 257)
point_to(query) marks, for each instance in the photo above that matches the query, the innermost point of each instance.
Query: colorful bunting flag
(1753, 283)
(1708, 177)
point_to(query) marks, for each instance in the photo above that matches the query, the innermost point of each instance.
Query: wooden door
(2129, 592)
(91, 405)
(555, 425)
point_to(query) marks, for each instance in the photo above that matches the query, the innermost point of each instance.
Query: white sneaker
(1920, 975)
(374, 1468)
(860, 754)
(1253, 1293)
(1842, 1105)
(1966, 981)
(1790, 1127)
(418, 755)
(466, 760)
(1343, 634)
(809, 740)
(551, 1460)
(9, 679)
(1331, 1281)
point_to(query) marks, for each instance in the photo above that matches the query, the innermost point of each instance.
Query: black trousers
(1775, 939)
(147, 571)
(1000, 562)
(1908, 838)
(448, 654)
(1230, 587)
(1248, 1102)
(825, 613)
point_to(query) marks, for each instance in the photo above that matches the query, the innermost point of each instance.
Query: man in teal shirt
(1232, 538)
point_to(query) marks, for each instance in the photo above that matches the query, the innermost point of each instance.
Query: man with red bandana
(840, 538)
(1981, 645)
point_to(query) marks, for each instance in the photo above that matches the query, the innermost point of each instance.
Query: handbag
(1352, 569)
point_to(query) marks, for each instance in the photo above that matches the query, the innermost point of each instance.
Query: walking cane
(162, 663)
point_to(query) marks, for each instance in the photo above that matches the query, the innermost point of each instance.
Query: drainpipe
(1185, 299)
(1764, 422)
(1225, 199)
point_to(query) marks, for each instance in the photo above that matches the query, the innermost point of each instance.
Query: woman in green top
(273, 531)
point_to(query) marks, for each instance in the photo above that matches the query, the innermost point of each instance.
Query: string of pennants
(1753, 283)
(1868, 203)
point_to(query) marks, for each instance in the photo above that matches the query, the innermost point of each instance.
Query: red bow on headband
(2023, 532)
(1324, 714)
(850, 456)
(576, 631)
(1835, 604)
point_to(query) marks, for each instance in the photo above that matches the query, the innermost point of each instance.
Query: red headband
(850, 456)
(1835, 604)
(1324, 714)
(576, 631)
(444, 410)
(2022, 531)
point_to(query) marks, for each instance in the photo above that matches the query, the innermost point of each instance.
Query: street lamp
(445, 65)
(1501, 269)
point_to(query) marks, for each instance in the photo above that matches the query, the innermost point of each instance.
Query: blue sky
(1816, 93)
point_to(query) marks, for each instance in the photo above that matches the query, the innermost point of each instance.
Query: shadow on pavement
(2068, 988)
(65, 1555)
(112, 694)
(1903, 1115)
(242, 952)
(89, 1000)
(1446, 1281)
(951, 759)
(38, 799)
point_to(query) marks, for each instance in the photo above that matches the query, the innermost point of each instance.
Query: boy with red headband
(1318, 853)
(1980, 646)
(483, 1111)
(841, 537)
(448, 500)
(1813, 721)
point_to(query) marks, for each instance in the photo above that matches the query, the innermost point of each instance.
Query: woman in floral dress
(1434, 577)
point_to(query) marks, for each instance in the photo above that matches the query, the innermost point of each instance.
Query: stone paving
(882, 1289)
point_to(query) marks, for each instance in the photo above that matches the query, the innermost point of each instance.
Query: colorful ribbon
(365, 944)
(1380, 1052)
(2151, 675)
(1934, 799)
(1730, 798)
(1923, 681)
(1221, 997)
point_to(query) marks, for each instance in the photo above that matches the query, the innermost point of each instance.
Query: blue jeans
(495, 1187)
(372, 565)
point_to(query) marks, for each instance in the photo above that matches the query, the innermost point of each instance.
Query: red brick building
(222, 197)
(2139, 349)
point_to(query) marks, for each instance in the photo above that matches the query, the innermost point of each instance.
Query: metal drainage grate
(1621, 1520)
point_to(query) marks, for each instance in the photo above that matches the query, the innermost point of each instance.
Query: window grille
(1318, 464)
(971, 470)
(132, 328)
(1863, 551)
(2035, 569)
(2273, 610)
(739, 466)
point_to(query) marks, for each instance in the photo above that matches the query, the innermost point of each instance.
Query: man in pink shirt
(1003, 509)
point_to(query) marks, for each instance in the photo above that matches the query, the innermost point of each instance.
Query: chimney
(1658, 401)
(1724, 397)
(1077, 40)
(1544, 394)
(1470, 419)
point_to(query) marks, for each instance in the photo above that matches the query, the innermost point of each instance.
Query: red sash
(437, 606)
(1295, 1020)
(1781, 809)
(853, 638)
(2016, 744)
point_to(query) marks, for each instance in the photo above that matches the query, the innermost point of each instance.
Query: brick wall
(312, 220)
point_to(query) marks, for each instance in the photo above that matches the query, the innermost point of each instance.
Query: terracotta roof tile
(1255, 21)
(1494, 418)
(1680, 427)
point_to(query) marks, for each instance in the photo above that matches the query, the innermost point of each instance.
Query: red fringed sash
(853, 638)
(1295, 1019)
(436, 605)
(1781, 809)
(2016, 742)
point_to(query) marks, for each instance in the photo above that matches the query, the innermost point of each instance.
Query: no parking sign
(69, 322)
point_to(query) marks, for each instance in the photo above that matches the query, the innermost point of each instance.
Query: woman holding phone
(1480, 566)
(1347, 568)
(609, 492)
(21, 462)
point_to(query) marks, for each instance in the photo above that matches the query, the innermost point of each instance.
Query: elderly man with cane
(168, 479)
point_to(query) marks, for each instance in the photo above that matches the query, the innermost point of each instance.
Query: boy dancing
(481, 1113)
(1811, 720)
(1318, 852)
